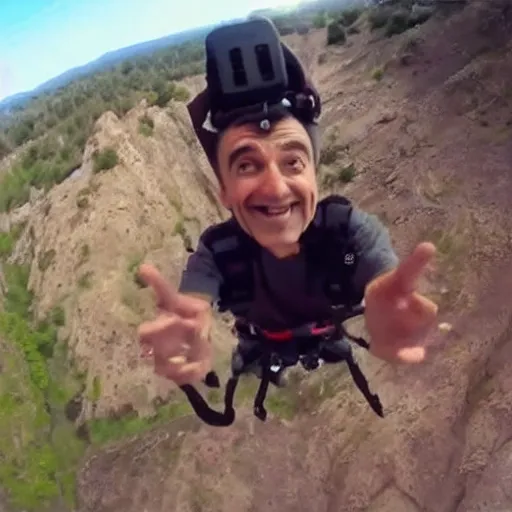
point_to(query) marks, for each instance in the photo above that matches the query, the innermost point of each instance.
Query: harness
(328, 251)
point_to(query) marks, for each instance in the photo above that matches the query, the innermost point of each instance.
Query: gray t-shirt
(287, 277)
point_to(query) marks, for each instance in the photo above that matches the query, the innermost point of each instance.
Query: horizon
(41, 39)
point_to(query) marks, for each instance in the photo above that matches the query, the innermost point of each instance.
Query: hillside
(104, 62)
(417, 129)
(115, 58)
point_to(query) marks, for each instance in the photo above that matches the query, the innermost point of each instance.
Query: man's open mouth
(274, 211)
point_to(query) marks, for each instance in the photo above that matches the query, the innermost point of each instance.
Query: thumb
(410, 270)
(167, 297)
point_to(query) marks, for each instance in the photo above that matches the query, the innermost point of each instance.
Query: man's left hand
(398, 318)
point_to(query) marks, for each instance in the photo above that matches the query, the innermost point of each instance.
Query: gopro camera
(245, 65)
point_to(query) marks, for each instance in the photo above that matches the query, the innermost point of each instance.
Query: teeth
(277, 211)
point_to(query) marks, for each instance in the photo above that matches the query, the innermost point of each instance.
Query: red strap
(317, 331)
(279, 335)
(289, 333)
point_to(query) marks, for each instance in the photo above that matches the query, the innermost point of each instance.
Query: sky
(40, 39)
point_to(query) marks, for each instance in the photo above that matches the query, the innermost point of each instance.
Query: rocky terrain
(418, 130)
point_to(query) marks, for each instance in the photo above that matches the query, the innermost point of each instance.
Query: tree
(319, 20)
(5, 147)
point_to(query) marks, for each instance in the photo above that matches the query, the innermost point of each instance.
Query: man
(266, 164)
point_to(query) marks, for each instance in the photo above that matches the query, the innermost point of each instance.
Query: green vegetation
(304, 392)
(38, 461)
(95, 391)
(82, 197)
(46, 259)
(7, 242)
(55, 126)
(105, 159)
(333, 171)
(398, 18)
(335, 33)
(104, 430)
(133, 270)
(339, 174)
(146, 125)
(319, 20)
(180, 229)
(40, 446)
(378, 74)
(347, 173)
(85, 280)
(331, 148)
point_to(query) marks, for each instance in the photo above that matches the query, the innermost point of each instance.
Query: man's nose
(273, 183)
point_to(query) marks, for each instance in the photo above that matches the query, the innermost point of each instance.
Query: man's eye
(295, 163)
(245, 167)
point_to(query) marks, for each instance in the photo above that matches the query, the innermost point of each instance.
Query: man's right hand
(179, 337)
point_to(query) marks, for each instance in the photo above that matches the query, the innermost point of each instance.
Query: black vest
(327, 249)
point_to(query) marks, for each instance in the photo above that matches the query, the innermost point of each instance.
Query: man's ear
(224, 197)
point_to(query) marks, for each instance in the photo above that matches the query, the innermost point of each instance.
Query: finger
(148, 332)
(416, 324)
(192, 372)
(182, 372)
(168, 335)
(167, 296)
(202, 347)
(410, 270)
(416, 309)
(201, 351)
(412, 354)
(147, 352)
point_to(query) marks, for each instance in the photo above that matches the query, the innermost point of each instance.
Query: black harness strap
(201, 407)
(322, 349)
(205, 412)
(341, 258)
(362, 385)
(328, 253)
(234, 253)
(259, 402)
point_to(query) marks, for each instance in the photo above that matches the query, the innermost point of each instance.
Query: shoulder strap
(233, 252)
(328, 245)
(326, 242)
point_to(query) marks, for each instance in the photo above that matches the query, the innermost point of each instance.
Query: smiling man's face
(268, 181)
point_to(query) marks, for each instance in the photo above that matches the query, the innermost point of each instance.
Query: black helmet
(250, 75)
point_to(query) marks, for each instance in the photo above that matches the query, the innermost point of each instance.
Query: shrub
(105, 159)
(6, 244)
(420, 14)
(335, 33)
(350, 16)
(377, 74)
(378, 17)
(319, 20)
(146, 125)
(5, 147)
(398, 22)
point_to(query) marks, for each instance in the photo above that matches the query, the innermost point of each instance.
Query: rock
(391, 178)
(387, 117)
